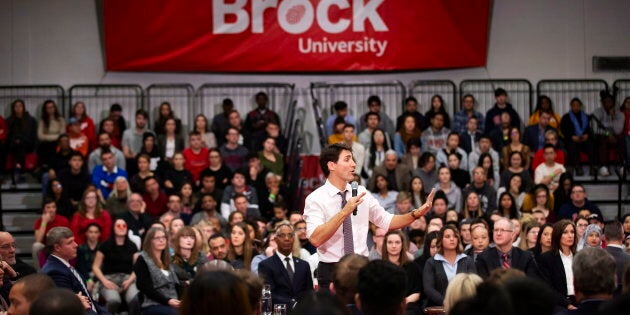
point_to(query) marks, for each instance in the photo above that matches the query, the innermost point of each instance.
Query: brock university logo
(298, 16)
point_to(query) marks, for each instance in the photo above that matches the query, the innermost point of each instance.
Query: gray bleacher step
(604, 191)
(21, 200)
(19, 222)
(609, 210)
(24, 243)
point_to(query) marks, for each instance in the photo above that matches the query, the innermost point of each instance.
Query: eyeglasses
(8, 246)
(121, 225)
(498, 231)
(582, 225)
(283, 235)
(301, 229)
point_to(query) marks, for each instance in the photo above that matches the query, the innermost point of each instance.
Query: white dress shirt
(324, 203)
(284, 263)
(567, 263)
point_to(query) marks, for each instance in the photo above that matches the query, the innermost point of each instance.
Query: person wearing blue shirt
(104, 175)
(341, 110)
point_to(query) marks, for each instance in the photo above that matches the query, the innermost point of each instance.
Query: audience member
(409, 130)
(462, 117)
(578, 136)
(551, 137)
(187, 258)
(462, 286)
(26, 290)
(434, 138)
(548, 173)
(486, 193)
(171, 141)
(105, 144)
(437, 107)
(426, 171)
(59, 301)
(375, 152)
(485, 146)
(345, 280)
(592, 237)
(87, 124)
(398, 175)
(220, 121)
(104, 175)
(469, 139)
(21, 134)
(556, 264)
(196, 157)
(374, 106)
(577, 201)
(381, 289)
(515, 145)
(155, 199)
(230, 295)
(341, 110)
(493, 116)
(138, 221)
(133, 138)
(51, 125)
(90, 211)
(613, 233)
(233, 153)
(534, 134)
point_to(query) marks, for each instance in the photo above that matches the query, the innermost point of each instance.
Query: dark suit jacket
(552, 270)
(465, 143)
(434, 278)
(521, 260)
(530, 136)
(275, 273)
(588, 307)
(622, 259)
(179, 143)
(64, 278)
(403, 176)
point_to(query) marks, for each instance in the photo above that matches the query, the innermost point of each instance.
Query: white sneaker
(603, 171)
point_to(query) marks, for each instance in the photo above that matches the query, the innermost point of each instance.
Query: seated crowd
(142, 219)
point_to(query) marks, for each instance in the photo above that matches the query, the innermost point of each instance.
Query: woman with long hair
(375, 153)
(458, 175)
(529, 235)
(187, 259)
(396, 250)
(544, 105)
(543, 241)
(79, 112)
(555, 263)
(472, 206)
(241, 249)
(416, 191)
(150, 148)
(57, 192)
(426, 170)
(515, 188)
(165, 113)
(485, 161)
(21, 134)
(562, 194)
(113, 267)
(592, 237)
(385, 197)
(437, 106)
(90, 212)
(440, 269)
(507, 206)
(117, 201)
(452, 192)
(155, 276)
(171, 141)
(407, 131)
(541, 199)
(270, 158)
(515, 145)
(516, 165)
(208, 138)
(144, 171)
(51, 126)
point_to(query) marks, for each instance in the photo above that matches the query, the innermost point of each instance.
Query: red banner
(294, 35)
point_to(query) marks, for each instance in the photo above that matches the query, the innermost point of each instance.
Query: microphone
(355, 187)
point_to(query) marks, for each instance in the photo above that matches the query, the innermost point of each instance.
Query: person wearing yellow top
(543, 104)
(337, 135)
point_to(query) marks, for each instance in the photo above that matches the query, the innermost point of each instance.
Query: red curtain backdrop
(294, 35)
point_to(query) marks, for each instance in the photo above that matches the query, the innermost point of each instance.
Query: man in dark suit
(469, 138)
(504, 255)
(62, 247)
(397, 174)
(289, 277)
(593, 279)
(534, 135)
(613, 233)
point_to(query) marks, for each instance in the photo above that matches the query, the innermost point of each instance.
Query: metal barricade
(181, 98)
(519, 94)
(622, 88)
(424, 90)
(392, 94)
(209, 98)
(98, 98)
(33, 97)
(562, 91)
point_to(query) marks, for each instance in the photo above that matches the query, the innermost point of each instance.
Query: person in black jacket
(440, 269)
(559, 259)
(21, 133)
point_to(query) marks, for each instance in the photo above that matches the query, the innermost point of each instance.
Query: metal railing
(181, 98)
(98, 98)
(562, 91)
(424, 90)
(33, 97)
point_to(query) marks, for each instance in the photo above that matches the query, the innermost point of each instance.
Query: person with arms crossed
(328, 228)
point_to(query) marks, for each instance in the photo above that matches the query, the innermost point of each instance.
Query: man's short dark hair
(227, 102)
(382, 288)
(106, 151)
(411, 99)
(34, 284)
(368, 114)
(57, 301)
(142, 113)
(215, 236)
(115, 108)
(549, 145)
(613, 231)
(374, 99)
(500, 91)
(340, 105)
(344, 276)
(331, 153)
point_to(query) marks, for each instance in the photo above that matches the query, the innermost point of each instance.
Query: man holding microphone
(331, 225)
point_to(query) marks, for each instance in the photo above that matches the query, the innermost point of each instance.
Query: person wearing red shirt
(47, 221)
(154, 198)
(87, 124)
(90, 212)
(196, 156)
(551, 136)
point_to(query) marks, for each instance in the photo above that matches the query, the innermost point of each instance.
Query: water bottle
(266, 304)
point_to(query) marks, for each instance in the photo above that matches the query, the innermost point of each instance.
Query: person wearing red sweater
(90, 212)
(196, 156)
(551, 136)
(154, 198)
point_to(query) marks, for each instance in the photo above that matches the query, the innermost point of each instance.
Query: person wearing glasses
(156, 278)
(113, 267)
(289, 276)
(504, 255)
(577, 201)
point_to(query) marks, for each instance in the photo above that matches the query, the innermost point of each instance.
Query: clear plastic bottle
(265, 303)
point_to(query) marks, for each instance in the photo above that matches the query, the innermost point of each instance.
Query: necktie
(348, 242)
(85, 290)
(506, 261)
(289, 268)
